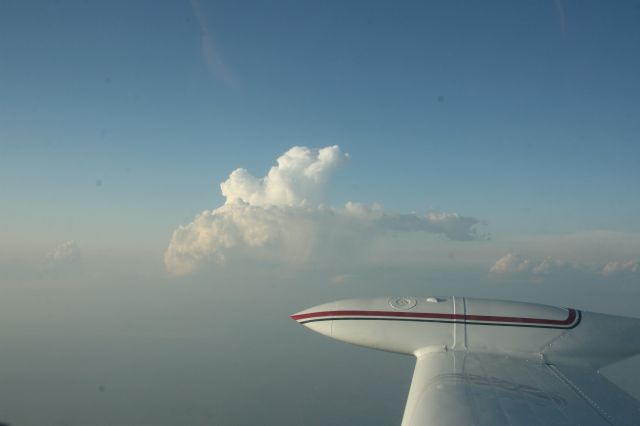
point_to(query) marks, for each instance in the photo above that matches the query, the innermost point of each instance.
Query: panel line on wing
(581, 394)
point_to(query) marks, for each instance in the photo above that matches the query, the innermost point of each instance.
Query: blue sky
(493, 151)
(521, 114)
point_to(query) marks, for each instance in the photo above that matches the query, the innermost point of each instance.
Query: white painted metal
(491, 362)
(467, 388)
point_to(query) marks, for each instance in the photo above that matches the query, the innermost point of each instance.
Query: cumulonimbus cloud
(284, 216)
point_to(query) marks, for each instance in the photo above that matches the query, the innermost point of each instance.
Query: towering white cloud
(297, 180)
(283, 216)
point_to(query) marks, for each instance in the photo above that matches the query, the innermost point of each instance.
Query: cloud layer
(618, 267)
(283, 217)
(515, 264)
(512, 263)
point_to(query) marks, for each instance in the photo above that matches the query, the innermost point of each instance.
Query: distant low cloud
(283, 216)
(66, 253)
(510, 263)
(63, 257)
(515, 264)
(617, 267)
(342, 279)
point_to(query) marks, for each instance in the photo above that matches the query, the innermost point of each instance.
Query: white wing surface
(490, 362)
(464, 388)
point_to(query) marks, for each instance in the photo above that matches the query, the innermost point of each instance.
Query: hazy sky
(176, 178)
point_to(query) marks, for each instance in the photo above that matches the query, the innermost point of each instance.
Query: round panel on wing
(402, 303)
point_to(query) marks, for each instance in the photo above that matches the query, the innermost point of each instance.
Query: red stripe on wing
(428, 315)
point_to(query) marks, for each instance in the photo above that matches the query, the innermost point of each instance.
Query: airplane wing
(465, 388)
(486, 362)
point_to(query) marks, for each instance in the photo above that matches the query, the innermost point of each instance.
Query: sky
(176, 178)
